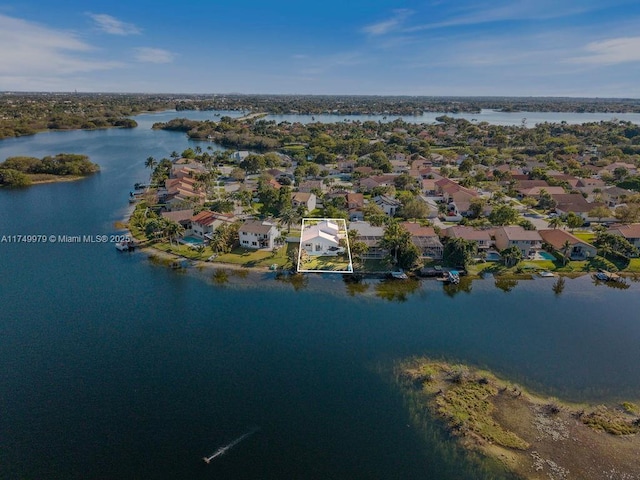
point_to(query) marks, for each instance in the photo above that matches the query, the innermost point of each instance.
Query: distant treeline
(18, 171)
(402, 105)
(26, 114)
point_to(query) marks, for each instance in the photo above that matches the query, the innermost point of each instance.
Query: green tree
(600, 212)
(253, 163)
(503, 215)
(566, 246)
(289, 216)
(627, 213)
(511, 256)
(574, 221)
(413, 208)
(458, 251)
(397, 240)
(556, 222)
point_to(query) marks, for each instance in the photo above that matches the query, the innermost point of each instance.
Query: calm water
(490, 116)
(112, 367)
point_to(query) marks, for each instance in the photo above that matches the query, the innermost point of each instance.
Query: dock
(606, 276)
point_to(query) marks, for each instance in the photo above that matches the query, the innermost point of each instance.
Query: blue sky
(430, 47)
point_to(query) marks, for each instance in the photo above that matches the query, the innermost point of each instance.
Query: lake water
(493, 117)
(113, 367)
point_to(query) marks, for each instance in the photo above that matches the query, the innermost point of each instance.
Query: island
(530, 436)
(63, 167)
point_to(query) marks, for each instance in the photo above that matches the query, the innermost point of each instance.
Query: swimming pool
(191, 241)
(493, 257)
(541, 255)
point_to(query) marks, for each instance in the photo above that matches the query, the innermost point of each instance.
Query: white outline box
(315, 221)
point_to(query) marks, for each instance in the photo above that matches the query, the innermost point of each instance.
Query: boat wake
(222, 450)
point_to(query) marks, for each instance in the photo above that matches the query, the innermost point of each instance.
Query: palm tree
(173, 230)
(565, 250)
(556, 222)
(288, 216)
(150, 163)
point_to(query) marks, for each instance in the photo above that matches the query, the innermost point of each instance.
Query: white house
(258, 234)
(388, 204)
(306, 199)
(322, 238)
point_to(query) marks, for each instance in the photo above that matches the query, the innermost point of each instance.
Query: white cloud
(37, 50)
(112, 25)
(153, 55)
(389, 25)
(611, 51)
(509, 10)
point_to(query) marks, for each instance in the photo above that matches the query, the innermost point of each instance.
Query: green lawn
(184, 250)
(588, 237)
(254, 258)
(337, 263)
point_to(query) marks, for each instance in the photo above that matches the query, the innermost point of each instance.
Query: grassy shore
(532, 436)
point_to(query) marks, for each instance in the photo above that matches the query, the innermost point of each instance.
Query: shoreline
(530, 435)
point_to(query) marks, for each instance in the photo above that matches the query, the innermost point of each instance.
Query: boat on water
(546, 274)
(229, 446)
(400, 275)
(127, 246)
(605, 276)
(452, 277)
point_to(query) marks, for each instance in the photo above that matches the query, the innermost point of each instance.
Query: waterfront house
(205, 223)
(578, 249)
(371, 236)
(482, 238)
(528, 241)
(426, 239)
(630, 232)
(322, 238)
(257, 234)
(183, 217)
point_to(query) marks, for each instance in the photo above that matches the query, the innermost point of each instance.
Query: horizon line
(363, 95)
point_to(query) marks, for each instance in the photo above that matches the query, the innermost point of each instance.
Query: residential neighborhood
(403, 211)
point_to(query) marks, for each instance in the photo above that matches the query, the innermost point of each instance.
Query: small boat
(546, 274)
(139, 186)
(605, 276)
(399, 275)
(452, 276)
(124, 246)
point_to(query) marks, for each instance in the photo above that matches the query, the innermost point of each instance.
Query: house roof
(355, 200)
(301, 197)
(534, 191)
(417, 230)
(207, 217)
(557, 237)
(468, 233)
(178, 215)
(256, 226)
(383, 199)
(366, 232)
(517, 233)
(325, 229)
(631, 231)
(572, 202)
